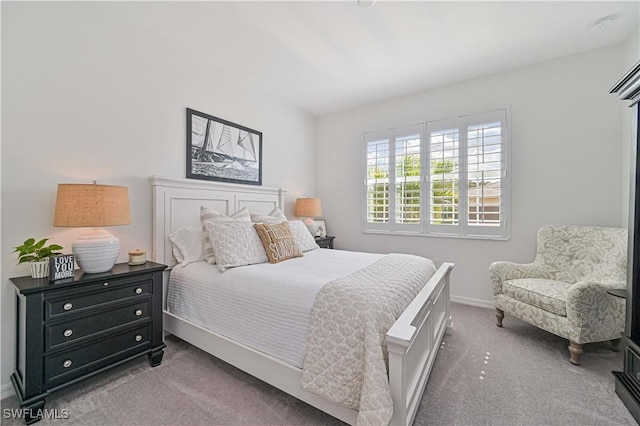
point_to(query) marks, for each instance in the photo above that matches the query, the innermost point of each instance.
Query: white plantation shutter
(447, 178)
(407, 178)
(377, 180)
(486, 171)
(393, 179)
(443, 199)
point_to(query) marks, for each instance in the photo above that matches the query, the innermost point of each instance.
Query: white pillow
(275, 216)
(304, 239)
(210, 215)
(177, 253)
(187, 245)
(235, 243)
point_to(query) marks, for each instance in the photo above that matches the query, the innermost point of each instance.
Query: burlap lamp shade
(309, 208)
(93, 205)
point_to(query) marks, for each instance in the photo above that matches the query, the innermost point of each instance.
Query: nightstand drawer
(70, 331)
(74, 363)
(62, 305)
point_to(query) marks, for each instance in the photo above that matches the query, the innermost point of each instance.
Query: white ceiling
(329, 56)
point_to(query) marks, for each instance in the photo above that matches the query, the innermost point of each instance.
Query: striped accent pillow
(210, 215)
(276, 216)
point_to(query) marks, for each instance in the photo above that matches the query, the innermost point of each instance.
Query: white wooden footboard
(413, 342)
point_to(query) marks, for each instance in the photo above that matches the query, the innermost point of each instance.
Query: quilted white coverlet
(346, 359)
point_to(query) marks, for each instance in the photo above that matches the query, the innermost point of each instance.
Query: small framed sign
(61, 267)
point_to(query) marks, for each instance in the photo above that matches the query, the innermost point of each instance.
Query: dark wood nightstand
(325, 242)
(68, 331)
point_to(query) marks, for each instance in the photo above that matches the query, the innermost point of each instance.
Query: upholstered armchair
(564, 291)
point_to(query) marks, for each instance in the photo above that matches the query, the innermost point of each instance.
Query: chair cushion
(549, 295)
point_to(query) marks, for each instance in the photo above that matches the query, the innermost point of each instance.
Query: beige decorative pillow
(214, 216)
(278, 241)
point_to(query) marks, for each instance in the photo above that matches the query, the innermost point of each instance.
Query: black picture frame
(223, 151)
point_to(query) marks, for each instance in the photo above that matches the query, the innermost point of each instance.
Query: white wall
(566, 150)
(89, 93)
(631, 56)
(631, 50)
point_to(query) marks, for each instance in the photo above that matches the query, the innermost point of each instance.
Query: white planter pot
(39, 269)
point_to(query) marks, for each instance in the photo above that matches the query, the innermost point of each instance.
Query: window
(393, 181)
(445, 177)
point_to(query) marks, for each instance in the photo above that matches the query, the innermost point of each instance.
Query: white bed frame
(413, 340)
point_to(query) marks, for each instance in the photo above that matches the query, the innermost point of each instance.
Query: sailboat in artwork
(228, 152)
(201, 147)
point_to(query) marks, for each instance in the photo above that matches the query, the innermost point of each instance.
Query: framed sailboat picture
(220, 150)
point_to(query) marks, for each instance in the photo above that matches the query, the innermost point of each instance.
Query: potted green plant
(37, 254)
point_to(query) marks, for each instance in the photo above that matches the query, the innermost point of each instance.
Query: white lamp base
(96, 251)
(311, 226)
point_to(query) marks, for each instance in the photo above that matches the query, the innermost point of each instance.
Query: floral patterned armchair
(564, 291)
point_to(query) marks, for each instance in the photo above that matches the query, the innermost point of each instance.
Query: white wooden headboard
(176, 204)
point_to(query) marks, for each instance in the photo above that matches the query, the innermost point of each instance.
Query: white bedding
(264, 306)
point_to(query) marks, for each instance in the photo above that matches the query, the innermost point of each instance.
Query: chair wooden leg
(499, 317)
(575, 350)
(615, 344)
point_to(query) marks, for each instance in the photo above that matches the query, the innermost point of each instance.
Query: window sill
(421, 234)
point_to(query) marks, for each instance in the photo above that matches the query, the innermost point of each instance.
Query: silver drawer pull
(106, 284)
(68, 333)
(138, 290)
(138, 312)
(67, 363)
(67, 306)
(138, 337)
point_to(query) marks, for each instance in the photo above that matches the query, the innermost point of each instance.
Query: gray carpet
(517, 375)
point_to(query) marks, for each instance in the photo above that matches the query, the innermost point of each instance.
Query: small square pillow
(235, 243)
(187, 245)
(210, 215)
(275, 216)
(278, 241)
(304, 239)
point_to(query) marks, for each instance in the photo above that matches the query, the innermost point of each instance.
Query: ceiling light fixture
(603, 23)
(366, 4)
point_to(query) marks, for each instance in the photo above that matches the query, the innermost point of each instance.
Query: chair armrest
(502, 270)
(589, 305)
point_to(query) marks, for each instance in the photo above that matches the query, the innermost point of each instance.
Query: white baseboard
(473, 302)
(6, 391)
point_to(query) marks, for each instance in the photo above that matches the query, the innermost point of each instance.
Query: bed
(412, 340)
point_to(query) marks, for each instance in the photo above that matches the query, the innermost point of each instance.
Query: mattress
(265, 306)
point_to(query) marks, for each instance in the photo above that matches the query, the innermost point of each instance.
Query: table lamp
(309, 208)
(93, 205)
